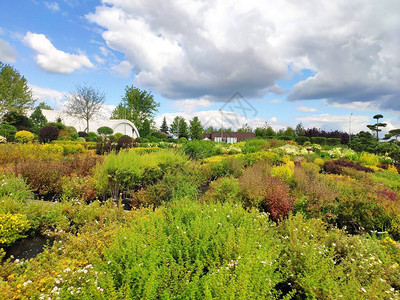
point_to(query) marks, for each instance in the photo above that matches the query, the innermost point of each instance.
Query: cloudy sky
(280, 62)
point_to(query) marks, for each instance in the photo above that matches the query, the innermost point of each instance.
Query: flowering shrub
(369, 159)
(222, 190)
(12, 227)
(24, 136)
(285, 171)
(3, 140)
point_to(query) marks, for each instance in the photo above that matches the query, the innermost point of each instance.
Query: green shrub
(195, 251)
(255, 145)
(369, 159)
(319, 140)
(105, 130)
(200, 149)
(8, 131)
(15, 187)
(301, 139)
(225, 189)
(130, 170)
(333, 141)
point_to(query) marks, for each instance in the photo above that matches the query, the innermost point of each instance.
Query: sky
(327, 64)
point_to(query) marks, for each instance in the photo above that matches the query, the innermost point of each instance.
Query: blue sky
(291, 64)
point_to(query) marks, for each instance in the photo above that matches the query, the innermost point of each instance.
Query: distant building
(125, 127)
(228, 137)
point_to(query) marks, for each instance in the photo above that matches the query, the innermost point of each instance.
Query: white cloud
(212, 48)
(190, 105)
(339, 122)
(7, 52)
(276, 100)
(123, 69)
(306, 109)
(53, 6)
(99, 60)
(53, 60)
(52, 97)
(356, 105)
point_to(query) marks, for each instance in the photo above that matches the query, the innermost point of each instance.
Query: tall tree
(136, 106)
(196, 130)
(15, 95)
(43, 105)
(179, 127)
(392, 133)
(38, 119)
(300, 130)
(146, 128)
(164, 126)
(84, 102)
(376, 127)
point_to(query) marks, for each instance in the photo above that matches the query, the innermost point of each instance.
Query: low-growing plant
(12, 228)
(24, 136)
(200, 149)
(225, 189)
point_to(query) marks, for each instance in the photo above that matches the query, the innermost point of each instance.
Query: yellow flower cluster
(12, 226)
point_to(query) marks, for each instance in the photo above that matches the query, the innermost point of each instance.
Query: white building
(118, 125)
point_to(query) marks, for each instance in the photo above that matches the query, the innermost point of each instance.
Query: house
(125, 127)
(228, 137)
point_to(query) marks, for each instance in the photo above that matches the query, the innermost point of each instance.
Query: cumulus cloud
(211, 48)
(306, 109)
(123, 69)
(7, 52)
(52, 60)
(52, 97)
(337, 122)
(190, 105)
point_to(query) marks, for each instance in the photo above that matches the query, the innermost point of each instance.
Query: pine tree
(164, 126)
(196, 130)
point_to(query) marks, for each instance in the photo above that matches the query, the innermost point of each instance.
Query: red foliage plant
(268, 193)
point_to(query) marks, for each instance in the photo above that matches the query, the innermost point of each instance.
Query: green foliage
(319, 140)
(301, 139)
(38, 119)
(179, 127)
(369, 159)
(195, 129)
(265, 132)
(200, 149)
(8, 131)
(17, 119)
(15, 187)
(136, 106)
(92, 137)
(15, 95)
(145, 129)
(195, 251)
(333, 141)
(24, 136)
(164, 126)
(225, 189)
(105, 130)
(255, 145)
(130, 170)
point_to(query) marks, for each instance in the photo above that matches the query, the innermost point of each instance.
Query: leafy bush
(195, 251)
(319, 140)
(15, 187)
(13, 227)
(301, 139)
(129, 170)
(48, 134)
(225, 189)
(125, 142)
(336, 166)
(369, 159)
(8, 131)
(200, 149)
(24, 136)
(284, 171)
(92, 137)
(255, 145)
(105, 130)
(333, 141)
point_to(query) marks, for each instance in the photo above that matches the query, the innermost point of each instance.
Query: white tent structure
(118, 125)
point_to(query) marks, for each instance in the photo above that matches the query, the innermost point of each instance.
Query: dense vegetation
(258, 219)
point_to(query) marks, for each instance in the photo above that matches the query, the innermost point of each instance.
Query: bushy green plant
(255, 145)
(24, 136)
(130, 170)
(200, 149)
(12, 227)
(195, 251)
(369, 159)
(15, 187)
(8, 131)
(225, 189)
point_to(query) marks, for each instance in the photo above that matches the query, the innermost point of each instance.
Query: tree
(392, 133)
(245, 128)
(38, 119)
(299, 130)
(146, 128)
(84, 102)
(105, 130)
(179, 127)
(375, 127)
(196, 130)
(136, 106)
(17, 119)
(15, 95)
(164, 126)
(43, 105)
